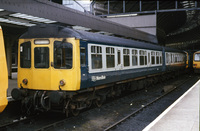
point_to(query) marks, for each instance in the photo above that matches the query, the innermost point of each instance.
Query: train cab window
(63, 55)
(110, 57)
(126, 54)
(134, 57)
(41, 57)
(25, 55)
(197, 57)
(153, 58)
(143, 57)
(96, 57)
(83, 59)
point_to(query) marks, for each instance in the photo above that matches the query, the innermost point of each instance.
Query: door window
(41, 57)
(25, 55)
(63, 54)
(83, 59)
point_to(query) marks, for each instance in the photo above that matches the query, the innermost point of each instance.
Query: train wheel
(75, 112)
(89, 103)
(98, 103)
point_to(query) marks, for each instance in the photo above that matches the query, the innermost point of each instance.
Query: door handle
(52, 64)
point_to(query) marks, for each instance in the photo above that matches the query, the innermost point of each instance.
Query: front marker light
(62, 82)
(25, 81)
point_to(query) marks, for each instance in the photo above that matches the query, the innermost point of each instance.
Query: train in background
(3, 74)
(187, 60)
(67, 70)
(196, 62)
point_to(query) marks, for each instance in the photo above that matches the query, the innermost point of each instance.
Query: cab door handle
(52, 64)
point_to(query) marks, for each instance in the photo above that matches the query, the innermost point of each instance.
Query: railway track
(114, 125)
(16, 122)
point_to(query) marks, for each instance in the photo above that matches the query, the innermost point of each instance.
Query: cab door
(40, 76)
(65, 64)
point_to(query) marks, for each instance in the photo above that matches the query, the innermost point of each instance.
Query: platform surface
(182, 115)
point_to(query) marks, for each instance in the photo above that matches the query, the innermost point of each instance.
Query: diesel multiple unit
(68, 70)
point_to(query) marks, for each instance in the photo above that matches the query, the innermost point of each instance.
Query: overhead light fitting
(16, 22)
(125, 15)
(81, 28)
(1, 10)
(32, 18)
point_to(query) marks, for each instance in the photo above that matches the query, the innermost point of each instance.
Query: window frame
(111, 52)
(126, 52)
(54, 56)
(48, 57)
(122, 53)
(83, 54)
(96, 52)
(135, 53)
(144, 54)
(153, 54)
(29, 53)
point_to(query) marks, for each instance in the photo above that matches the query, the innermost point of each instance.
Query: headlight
(25, 81)
(62, 82)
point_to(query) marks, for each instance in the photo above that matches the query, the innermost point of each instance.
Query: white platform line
(169, 108)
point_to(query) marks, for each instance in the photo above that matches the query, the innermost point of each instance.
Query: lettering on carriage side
(97, 78)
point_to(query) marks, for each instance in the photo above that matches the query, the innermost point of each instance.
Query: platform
(182, 115)
(12, 83)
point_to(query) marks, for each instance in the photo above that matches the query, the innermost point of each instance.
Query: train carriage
(196, 62)
(3, 74)
(175, 59)
(69, 68)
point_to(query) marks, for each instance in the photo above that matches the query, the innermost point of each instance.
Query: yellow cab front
(49, 64)
(196, 61)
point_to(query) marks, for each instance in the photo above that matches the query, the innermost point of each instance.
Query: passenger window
(134, 57)
(153, 58)
(83, 59)
(25, 55)
(41, 57)
(143, 57)
(110, 57)
(63, 55)
(157, 57)
(160, 58)
(126, 54)
(119, 57)
(168, 58)
(96, 55)
(172, 58)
